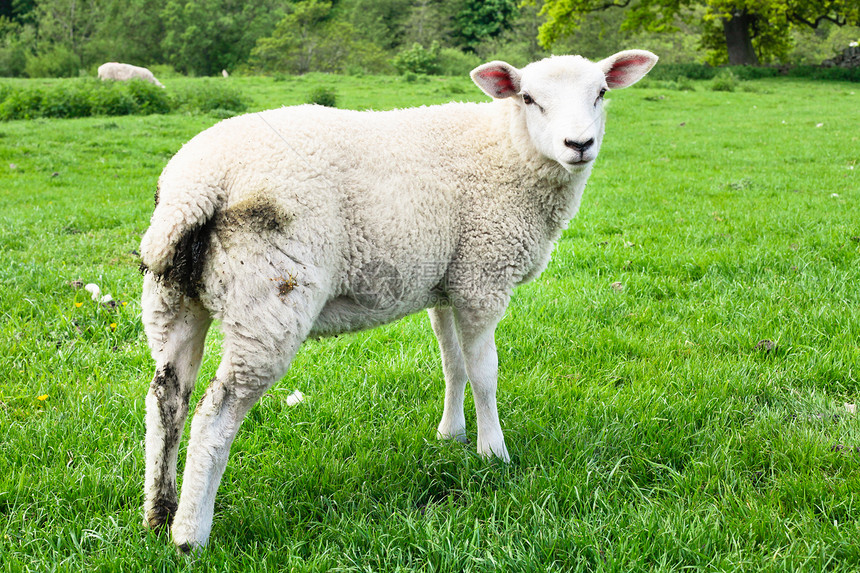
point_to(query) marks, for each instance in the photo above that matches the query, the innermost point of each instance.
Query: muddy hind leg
(262, 333)
(176, 329)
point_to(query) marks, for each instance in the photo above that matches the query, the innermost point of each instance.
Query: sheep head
(561, 99)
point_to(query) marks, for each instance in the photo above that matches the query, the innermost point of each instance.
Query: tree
(306, 39)
(380, 22)
(478, 20)
(428, 21)
(738, 31)
(205, 36)
(66, 26)
(131, 32)
(19, 11)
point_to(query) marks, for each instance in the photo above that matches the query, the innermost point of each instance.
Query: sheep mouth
(577, 164)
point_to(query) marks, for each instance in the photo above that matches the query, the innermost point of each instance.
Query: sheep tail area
(176, 243)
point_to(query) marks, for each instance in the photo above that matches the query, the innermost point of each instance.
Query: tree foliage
(740, 31)
(305, 39)
(202, 37)
(205, 36)
(478, 20)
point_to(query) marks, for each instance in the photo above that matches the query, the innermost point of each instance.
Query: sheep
(309, 221)
(126, 72)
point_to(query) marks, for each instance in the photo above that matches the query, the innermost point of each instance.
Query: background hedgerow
(208, 95)
(671, 71)
(83, 97)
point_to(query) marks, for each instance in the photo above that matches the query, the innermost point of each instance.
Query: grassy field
(672, 388)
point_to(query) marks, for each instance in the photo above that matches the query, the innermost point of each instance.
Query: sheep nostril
(579, 146)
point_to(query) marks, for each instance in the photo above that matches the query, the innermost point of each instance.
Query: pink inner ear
(618, 74)
(501, 79)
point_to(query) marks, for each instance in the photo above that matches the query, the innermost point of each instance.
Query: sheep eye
(527, 99)
(602, 93)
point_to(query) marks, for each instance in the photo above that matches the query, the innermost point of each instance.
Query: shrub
(456, 63)
(162, 71)
(208, 96)
(149, 98)
(754, 72)
(418, 60)
(413, 78)
(58, 62)
(66, 101)
(111, 98)
(84, 97)
(684, 84)
(367, 58)
(221, 113)
(22, 104)
(681, 84)
(819, 73)
(726, 81)
(706, 72)
(323, 96)
(13, 60)
(675, 71)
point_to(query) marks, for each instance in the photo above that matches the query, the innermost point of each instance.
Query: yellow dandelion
(113, 326)
(43, 397)
(125, 303)
(79, 304)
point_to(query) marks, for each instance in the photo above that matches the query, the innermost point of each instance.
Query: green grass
(648, 431)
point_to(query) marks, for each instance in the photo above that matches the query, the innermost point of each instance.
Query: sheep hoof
(498, 452)
(160, 516)
(459, 435)
(184, 548)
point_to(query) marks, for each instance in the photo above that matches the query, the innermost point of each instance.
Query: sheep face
(561, 99)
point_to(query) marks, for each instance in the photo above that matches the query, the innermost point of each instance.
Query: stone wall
(850, 58)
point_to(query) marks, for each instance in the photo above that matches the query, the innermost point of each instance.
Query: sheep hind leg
(260, 341)
(453, 422)
(176, 328)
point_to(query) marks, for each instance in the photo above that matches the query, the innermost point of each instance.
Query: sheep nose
(579, 146)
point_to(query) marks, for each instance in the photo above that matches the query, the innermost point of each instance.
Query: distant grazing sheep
(125, 72)
(310, 221)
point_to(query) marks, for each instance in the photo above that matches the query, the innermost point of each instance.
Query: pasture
(673, 388)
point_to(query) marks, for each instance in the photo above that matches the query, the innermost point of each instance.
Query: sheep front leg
(477, 338)
(453, 422)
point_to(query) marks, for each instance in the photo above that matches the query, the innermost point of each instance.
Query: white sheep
(308, 221)
(126, 72)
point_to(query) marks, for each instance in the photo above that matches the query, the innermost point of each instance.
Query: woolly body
(450, 196)
(126, 72)
(311, 221)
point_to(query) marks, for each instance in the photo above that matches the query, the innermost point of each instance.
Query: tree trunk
(739, 40)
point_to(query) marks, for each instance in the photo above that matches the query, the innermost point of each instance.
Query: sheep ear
(627, 67)
(497, 79)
